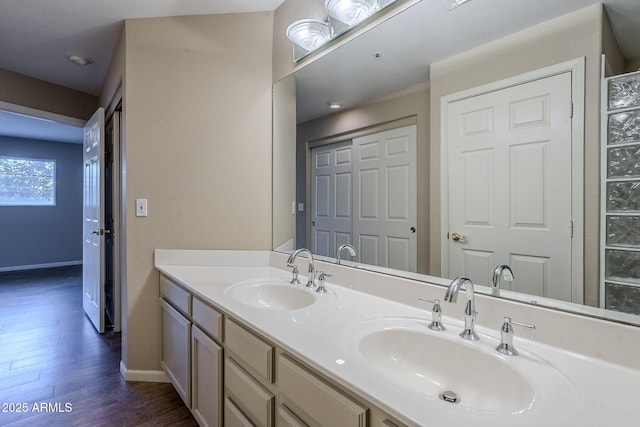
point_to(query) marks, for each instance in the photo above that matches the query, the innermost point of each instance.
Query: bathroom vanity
(243, 346)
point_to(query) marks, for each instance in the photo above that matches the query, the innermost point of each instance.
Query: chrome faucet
(436, 314)
(321, 277)
(347, 246)
(451, 295)
(312, 269)
(497, 274)
(506, 336)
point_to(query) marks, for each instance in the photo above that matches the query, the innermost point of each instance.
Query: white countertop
(596, 393)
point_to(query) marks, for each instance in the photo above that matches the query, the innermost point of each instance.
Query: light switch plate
(141, 207)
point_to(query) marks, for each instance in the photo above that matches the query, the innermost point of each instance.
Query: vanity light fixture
(452, 4)
(79, 60)
(351, 12)
(309, 34)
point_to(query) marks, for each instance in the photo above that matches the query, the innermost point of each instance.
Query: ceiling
(377, 63)
(39, 35)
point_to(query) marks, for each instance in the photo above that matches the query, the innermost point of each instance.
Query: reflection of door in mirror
(331, 197)
(509, 173)
(364, 193)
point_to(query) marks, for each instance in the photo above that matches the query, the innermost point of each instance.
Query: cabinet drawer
(304, 390)
(256, 353)
(233, 417)
(209, 319)
(255, 401)
(177, 296)
(287, 419)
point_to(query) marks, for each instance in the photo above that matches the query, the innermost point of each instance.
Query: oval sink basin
(443, 367)
(271, 294)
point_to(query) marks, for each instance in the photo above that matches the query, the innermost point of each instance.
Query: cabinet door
(176, 350)
(206, 370)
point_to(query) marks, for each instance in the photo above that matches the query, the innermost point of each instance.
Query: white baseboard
(37, 266)
(143, 376)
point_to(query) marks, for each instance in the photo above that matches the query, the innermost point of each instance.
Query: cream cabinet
(176, 350)
(206, 372)
(191, 357)
(249, 373)
(264, 385)
(313, 401)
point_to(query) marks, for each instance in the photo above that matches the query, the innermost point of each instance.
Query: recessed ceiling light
(79, 60)
(334, 105)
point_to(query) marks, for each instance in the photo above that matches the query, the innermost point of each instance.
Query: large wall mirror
(413, 93)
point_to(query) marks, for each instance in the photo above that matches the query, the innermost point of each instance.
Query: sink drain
(450, 397)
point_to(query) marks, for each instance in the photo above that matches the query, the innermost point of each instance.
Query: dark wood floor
(59, 371)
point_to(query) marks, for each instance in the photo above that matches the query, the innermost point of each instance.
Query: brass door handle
(457, 237)
(413, 229)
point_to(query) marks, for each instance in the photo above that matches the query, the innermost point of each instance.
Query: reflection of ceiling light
(452, 4)
(79, 60)
(334, 105)
(351, 12)
(309, 34)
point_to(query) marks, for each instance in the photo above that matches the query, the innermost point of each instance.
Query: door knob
(413, 229)
(457, 237)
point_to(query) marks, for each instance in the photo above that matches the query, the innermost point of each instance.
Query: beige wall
(26, 91)
(610, 47)
(112, 86)
(284, 163)
(412, 104)
(632, 64)
(568, 37)
(197, 106)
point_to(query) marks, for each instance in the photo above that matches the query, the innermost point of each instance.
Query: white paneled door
(509, 176)
(332, 193)
(93, 222)
(385, 198)
(364, 193)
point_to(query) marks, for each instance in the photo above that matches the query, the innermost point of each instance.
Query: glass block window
(624, 162)
(620, 285)
(623, 231)
(624, 92)
(622, 298)
(624, 127)
(27, 182)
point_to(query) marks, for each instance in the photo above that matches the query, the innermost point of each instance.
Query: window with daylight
(27, 182)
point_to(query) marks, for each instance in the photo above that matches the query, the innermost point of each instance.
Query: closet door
(385, 198)
(331, 200)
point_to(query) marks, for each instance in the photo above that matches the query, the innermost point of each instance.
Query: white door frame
(116, 234)
(577, 69)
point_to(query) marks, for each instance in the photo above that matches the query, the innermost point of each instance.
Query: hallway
(57, 369)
